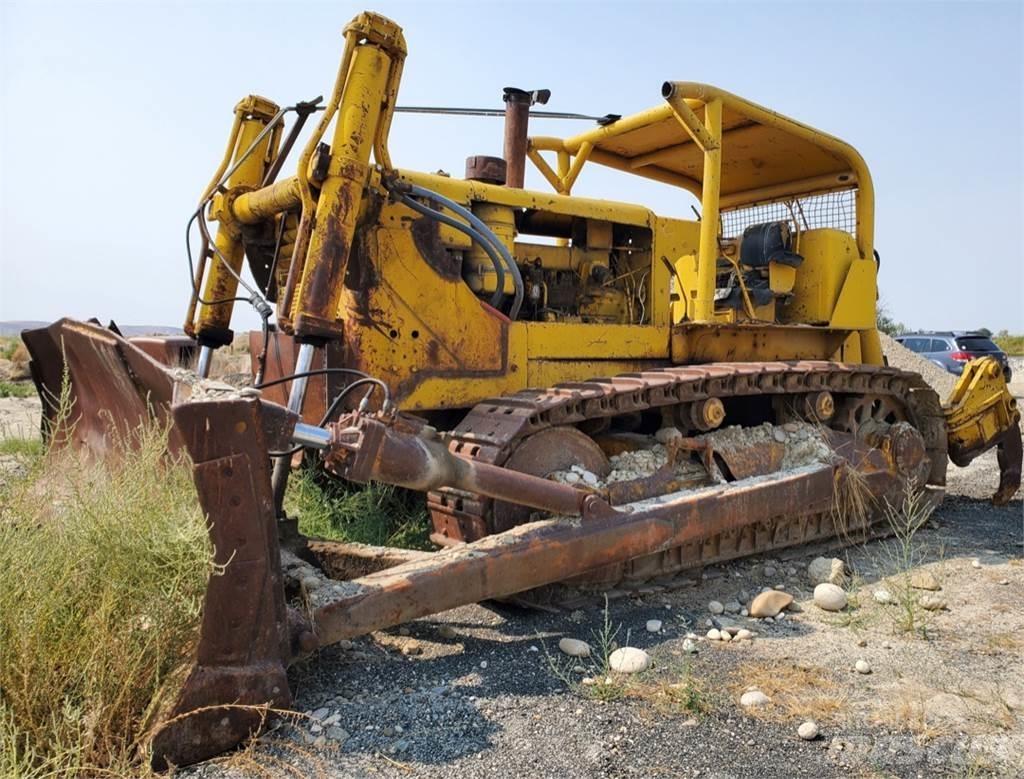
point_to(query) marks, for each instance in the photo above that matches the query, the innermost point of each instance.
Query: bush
(17, 389)
(376, 514)
(102, 575)
(1011, 344)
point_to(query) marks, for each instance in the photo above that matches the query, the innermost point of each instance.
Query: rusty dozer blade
(250, 635)
(108, 385)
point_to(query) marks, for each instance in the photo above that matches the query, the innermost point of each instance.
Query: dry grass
(796, 692)
(1000, 643)
(102, 574)
(675, 690)
(852, 504)
(907, 712)
(984, 710)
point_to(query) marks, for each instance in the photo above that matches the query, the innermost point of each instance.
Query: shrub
(102, 575)
(376, 514)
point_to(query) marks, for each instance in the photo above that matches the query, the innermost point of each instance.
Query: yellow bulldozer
(587, 394)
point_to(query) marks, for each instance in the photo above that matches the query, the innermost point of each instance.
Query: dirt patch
(19, 417)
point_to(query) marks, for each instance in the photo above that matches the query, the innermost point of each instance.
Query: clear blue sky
(115, 114)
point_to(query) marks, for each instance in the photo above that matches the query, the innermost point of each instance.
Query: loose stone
(808, 731)
(574, 647)
(924, 580)
(628, 660)
(770, 603)
(829, 597)
(753, 699)
(826, 569)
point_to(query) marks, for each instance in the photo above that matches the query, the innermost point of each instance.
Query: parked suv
(953, 349)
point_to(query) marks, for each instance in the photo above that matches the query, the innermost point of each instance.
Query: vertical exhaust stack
(517, 123)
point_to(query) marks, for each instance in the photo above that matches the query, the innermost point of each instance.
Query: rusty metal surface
(1008, 455)
(495, 427)
(174, 351)
(490, 170)
(345, 560)
(281, 352)
(113, 385)
(517, 121)
(372, 449)
(663, 481)
(553, 449)
(245, 643)
(551, 550)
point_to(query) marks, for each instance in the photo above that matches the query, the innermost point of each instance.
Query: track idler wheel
(543, 453)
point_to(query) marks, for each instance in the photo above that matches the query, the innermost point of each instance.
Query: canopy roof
(764, 153)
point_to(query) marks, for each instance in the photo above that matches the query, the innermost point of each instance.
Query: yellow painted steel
(702, 136)
(318, 290)
(828, 255)
(253, 207)
(980, 410)
(220, 286)
(406, 294)
(707, 259)
(362, 101)
(745, 342)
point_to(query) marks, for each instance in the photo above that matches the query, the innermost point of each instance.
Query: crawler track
(776, 392)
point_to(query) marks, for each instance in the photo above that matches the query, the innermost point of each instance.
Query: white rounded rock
(715, 607)
(689, 647)
(754, 698)
(743, 634)
(574, 647)
(589, 478)
(862, 667)
(714, 635)
(808, 731)
(829, 597)
(629, 660)
(653, 625)
(883, 596)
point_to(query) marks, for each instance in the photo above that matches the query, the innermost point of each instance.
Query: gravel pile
(900, 357)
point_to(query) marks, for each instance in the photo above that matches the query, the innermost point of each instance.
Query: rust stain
(426, 235)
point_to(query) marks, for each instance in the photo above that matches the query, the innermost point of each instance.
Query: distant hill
(15, 327)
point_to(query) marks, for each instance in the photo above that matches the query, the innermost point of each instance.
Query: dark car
(954, 349)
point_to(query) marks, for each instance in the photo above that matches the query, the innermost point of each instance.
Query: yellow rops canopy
(764, 156)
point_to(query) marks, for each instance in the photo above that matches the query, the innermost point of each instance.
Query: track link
(492, 430)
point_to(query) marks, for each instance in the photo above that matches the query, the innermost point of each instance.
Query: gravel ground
(482, 691)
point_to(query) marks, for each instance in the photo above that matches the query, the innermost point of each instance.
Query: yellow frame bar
(707, 258)
(703, 93)
(682, 97)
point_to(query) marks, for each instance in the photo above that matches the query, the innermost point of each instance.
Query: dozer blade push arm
(982, 413)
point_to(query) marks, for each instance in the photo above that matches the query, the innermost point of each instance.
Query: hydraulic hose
(496, 260)
(485, 232)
